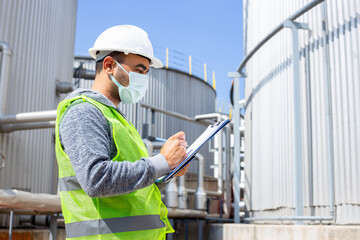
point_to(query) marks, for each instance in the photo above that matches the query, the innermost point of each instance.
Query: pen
(156, 139)
(151, 138)
(160, 139)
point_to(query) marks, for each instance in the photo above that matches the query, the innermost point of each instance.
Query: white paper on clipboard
(195, 147)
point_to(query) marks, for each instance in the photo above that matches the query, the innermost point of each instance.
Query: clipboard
(195, 147)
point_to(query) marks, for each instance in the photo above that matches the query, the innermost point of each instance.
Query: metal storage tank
(41, 37)
(170, 90)
(329, 60)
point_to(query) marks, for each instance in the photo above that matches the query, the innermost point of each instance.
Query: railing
(186, 63)
(193, 66)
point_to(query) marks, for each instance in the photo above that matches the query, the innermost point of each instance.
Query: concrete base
(283, 232)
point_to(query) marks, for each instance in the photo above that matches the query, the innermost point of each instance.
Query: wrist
(160, 164)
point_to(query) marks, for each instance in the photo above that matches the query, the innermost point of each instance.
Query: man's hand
(174, 150)
(182, 171)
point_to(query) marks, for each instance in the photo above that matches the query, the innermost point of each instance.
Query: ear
(109, 65)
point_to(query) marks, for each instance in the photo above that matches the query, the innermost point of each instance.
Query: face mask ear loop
(116, 82)
(121, 67)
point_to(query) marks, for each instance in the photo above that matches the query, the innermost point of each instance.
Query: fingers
(183, 144)
(174, 149)
(182, 171)
(179, 135)
(178, 151)
(180, 140)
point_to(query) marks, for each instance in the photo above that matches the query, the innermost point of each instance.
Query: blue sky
(210, 31)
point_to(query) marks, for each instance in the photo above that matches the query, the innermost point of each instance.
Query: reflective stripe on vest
(113, 225)
(69, 184)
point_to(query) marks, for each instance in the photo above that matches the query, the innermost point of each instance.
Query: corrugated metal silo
(41, 35)
(332, 57)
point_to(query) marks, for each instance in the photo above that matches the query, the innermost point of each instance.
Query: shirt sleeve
(86, 138)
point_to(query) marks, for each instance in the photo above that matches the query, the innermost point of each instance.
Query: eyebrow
(143, 67)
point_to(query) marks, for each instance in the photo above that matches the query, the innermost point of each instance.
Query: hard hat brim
(154, 62)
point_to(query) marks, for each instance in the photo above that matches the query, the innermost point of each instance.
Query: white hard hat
(126, 39)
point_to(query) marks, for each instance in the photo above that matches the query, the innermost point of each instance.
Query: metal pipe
(39, 202)
(218, 118)
(41, 220)
(220, 219)
(11, 223)
(309, 131)
(186, 213)
(329, 120)
(64, 87)
(297, 125)
(204, 117)
(220, 162)
(152, 126)
(83, 73)
(152, 145)
(53, 227)
(228, 170)
(242, 130)
(294, 218)
(200, 194)
(7, 128)
(171, 194)
(200, 230)
(4, 74)
(208, 193)
(275, 31)
(4, 210)
(183, 196)
(236, 78)
(40, 116)
(174, 114)
(170, 113)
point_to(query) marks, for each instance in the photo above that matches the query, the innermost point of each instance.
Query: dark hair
(118, 56)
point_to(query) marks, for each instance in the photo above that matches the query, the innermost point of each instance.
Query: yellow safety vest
(137, 215)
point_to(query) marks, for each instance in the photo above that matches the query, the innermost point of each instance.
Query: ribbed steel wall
(269, 136)
(41, 35)
(174, 91)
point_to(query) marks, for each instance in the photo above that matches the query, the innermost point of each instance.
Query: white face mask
(138, 84)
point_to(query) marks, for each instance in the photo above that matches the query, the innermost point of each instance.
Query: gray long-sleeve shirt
(86, 138)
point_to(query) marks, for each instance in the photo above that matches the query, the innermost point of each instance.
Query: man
(106, 178)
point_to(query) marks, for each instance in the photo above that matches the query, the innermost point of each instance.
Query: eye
(140, 70)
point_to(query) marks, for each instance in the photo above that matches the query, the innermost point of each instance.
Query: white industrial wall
(269, 169)
(41, 35)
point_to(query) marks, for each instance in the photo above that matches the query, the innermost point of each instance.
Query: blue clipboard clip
(210, 132)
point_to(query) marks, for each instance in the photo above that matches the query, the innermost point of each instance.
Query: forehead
(137, 59)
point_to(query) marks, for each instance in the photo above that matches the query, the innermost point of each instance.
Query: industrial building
(286, 168)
